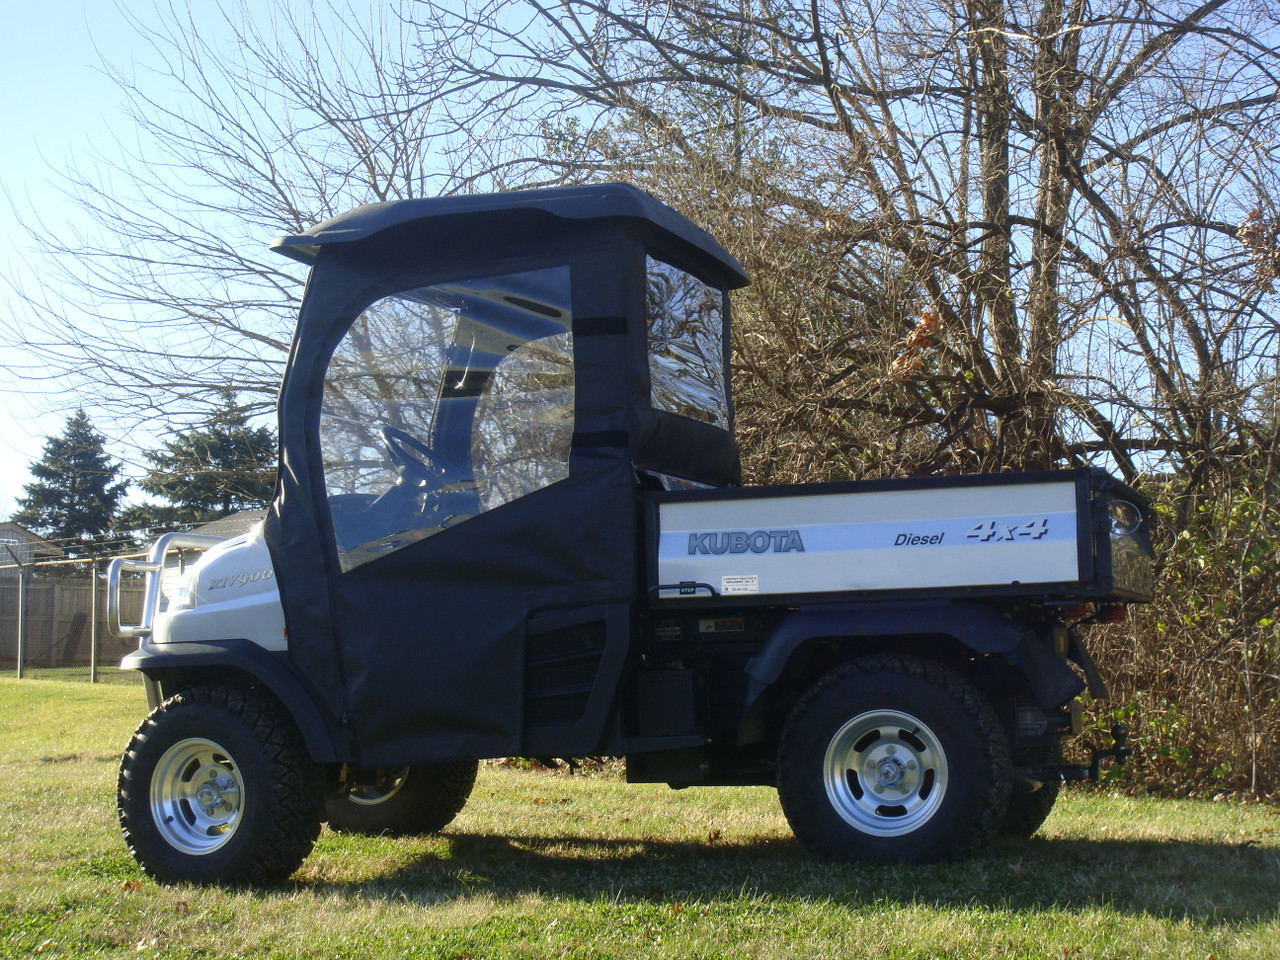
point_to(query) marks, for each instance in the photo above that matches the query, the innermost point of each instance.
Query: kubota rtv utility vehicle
(508, 523)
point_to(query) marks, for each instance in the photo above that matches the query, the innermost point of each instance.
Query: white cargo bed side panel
(874, 540)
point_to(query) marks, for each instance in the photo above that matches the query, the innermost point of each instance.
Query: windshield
(444, 401)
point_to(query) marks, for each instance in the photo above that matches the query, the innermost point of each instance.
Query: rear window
(686, 345)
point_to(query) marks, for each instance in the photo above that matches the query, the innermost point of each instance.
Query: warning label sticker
(739, 584)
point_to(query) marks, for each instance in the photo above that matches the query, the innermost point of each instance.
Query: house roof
(28, 546)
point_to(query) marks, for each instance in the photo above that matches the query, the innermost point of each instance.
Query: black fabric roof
(588, 202)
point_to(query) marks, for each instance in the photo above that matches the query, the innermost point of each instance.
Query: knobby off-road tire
(216, 786)
(1029, 810)
(405, 801)
(893, 759)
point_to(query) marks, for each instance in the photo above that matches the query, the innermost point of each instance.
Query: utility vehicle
(508, 522)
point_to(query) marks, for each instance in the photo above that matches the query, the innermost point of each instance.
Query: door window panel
(524, 421)
(445, 401)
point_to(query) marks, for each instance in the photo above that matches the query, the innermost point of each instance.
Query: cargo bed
(1053, 534)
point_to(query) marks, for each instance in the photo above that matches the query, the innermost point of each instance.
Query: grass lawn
(544, 865)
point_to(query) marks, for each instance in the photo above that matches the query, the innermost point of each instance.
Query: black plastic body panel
(573, 661)
(187, 664)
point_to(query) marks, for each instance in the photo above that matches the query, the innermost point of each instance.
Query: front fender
(167, 663)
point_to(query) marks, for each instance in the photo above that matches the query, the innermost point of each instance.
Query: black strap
(599, 326)
(595, 439)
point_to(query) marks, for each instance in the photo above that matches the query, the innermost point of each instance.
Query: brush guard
(153, 567)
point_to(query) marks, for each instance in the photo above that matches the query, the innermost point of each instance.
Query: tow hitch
(1119, 751)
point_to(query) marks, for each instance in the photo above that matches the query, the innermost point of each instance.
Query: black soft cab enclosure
(473, 385)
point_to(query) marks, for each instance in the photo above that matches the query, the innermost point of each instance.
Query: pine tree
(76, 492)
(209, 472)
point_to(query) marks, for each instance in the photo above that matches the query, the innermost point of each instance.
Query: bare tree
(984, 235)
(1007, 233)
(240, 127)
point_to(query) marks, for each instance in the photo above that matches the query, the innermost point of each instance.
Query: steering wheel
(415, 459)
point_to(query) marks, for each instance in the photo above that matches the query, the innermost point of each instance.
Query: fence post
(22, 616)
(22, 606)
(93, 621)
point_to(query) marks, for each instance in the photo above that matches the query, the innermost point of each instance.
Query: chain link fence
(53, 621)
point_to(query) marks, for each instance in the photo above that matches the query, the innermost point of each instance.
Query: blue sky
(60, 109)
(56, 106)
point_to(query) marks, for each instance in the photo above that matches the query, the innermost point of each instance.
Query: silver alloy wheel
(885, 773)
(386, 786)
(197, 796)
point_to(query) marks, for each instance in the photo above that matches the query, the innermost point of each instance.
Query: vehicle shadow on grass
(1195, 881)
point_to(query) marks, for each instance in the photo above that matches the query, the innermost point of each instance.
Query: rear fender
(169, 666)
(976, 628)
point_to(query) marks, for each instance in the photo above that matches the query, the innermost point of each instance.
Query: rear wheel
(216, 786)
(893, 759)
(401, 801)
(1028, 808)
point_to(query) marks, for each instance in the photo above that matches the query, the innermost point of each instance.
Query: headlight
(184, 595)
(1125, 517)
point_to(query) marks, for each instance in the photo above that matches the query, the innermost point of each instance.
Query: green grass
(106, 674)
(543, 865)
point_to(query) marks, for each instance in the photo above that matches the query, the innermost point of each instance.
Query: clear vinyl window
(686, 344)
(444, 401)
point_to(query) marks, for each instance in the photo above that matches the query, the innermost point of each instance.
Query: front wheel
(893, 759)
(216, 786)
(404, 801)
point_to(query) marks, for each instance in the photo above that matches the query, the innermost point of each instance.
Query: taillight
(1112, 614)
